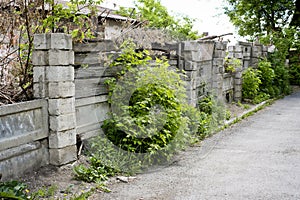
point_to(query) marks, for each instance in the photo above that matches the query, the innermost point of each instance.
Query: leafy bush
(251, 83)
(212, 115)
(12, 190)
(270, 79)
(295, 73)
(281, 79)
(267, 76)
(150, 119)
(294, 68)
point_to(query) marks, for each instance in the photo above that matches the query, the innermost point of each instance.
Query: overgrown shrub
(295, 74)
(281, 79)
(267, 76)
(294, 67)
(270, 79)
(251, 83)
(212, 115)
(150, 119)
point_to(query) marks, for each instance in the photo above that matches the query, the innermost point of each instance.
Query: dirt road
(259, 158)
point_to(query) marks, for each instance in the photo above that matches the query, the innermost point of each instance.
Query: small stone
(125, 179)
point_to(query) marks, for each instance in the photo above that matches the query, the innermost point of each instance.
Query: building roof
(101, 11)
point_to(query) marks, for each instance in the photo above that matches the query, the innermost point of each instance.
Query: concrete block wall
(195, 58)
(242, 53)
(23, 138)
(249, 55)
(219, 70)
(53, 60)
(91, 94)
(71, 88)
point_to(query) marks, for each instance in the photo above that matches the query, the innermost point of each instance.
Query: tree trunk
(296, 17)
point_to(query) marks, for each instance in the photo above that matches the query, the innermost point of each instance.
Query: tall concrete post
(53, 73)
(218, 69)
(190, 51)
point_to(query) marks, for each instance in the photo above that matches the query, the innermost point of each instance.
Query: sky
(209, 14)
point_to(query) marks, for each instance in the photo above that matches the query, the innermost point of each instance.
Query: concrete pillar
(190, 51)
(237, 88)
(218, 69)
(53, 74)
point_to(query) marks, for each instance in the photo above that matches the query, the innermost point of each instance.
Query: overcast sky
(208, 14)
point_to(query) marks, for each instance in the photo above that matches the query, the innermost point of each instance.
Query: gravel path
(258, 158)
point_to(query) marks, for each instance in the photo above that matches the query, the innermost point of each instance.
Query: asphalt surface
(258, 158)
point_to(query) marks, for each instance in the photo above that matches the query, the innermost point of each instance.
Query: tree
(19, 21)
(157, 16)
(257, 17)
(273, 22)
(296, 17)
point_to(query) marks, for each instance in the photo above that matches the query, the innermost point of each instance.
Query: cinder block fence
(53, 61)
(71, 98)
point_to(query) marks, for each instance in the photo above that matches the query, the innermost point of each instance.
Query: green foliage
(294, 72)
(212, 115)
(256, 17)
(232, 64)
(253, 89)
(44, 192)
(227, 114)
(21, 20)
(268, 80)
(63, 18)
(157, 16)
(84, 195)
(251, 83)
(143, 99)
(98, 171)
(12, 190)
(272, 22)
(150, 121)
(267, 76)
(136, 126)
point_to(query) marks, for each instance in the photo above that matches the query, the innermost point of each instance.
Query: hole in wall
(228, 97)
(79, 145)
